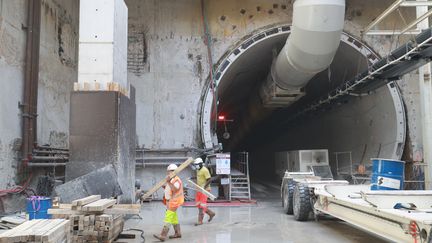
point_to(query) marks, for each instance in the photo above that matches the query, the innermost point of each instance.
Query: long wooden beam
(183, 166)
(202, 190)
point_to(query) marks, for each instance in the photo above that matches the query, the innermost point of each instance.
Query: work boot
(163, 234)
(211, 214)
(200, 217)
(177, 233)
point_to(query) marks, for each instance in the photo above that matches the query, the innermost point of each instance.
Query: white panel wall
(103, 42)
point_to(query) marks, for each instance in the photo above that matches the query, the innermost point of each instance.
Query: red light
(221, 118)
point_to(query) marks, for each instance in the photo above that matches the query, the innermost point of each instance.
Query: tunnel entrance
(365, 125)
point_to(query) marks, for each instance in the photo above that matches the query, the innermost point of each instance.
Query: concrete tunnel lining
(387, 100)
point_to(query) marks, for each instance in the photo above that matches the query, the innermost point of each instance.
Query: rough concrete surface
(57, 69)
(12, 44)
(56, 77)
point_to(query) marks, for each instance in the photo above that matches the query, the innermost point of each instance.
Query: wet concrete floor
(265, 222)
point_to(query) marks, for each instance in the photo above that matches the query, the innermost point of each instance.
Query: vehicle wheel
(287, 199)
(301, 202)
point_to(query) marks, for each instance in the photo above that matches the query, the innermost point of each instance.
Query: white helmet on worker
(172, 167)
(198, 161)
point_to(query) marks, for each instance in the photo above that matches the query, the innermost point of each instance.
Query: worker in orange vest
(173, 199)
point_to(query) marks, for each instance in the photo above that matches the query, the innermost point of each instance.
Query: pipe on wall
(31, 78)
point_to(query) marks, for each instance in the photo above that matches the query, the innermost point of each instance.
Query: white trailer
(397, 216)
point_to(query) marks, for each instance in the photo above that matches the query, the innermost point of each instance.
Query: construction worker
(203, 180)
(173, 199)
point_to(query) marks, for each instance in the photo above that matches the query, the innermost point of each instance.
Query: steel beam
(426, 105)
(415, 3)
(384, 14)
(418, 20)
(393, 32)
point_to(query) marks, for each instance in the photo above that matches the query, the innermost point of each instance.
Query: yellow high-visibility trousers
(171, 217)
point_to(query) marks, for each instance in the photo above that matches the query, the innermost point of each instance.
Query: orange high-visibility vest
(177, 198)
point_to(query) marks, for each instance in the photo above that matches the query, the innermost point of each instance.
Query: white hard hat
(198, 161)
(171, 167)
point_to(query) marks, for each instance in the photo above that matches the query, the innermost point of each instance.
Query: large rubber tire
(287, 197)
(301, 202)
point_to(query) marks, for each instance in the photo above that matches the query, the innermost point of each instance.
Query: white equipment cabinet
(299, 160)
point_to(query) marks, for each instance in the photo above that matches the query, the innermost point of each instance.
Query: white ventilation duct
(310, 48)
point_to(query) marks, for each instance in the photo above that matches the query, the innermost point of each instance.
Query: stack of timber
(96, 228)
(94, 219)
(39, 230)
(10, 222)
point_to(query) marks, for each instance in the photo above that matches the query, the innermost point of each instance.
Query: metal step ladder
(239, 187)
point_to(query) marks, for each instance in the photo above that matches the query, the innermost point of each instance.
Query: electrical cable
(142, 232)
(208, 43)
(18, 189)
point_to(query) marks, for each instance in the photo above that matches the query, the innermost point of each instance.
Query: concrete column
(103, 42)
(102, 113)
(426, 105)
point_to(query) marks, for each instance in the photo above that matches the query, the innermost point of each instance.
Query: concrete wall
(57, 69)
(12, 56)
(57, 74)
(167, 66)
(167, 63)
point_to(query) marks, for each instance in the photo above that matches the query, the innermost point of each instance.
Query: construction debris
(102, 182)
(39, 230)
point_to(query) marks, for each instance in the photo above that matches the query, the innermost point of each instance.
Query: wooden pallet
(39, 230)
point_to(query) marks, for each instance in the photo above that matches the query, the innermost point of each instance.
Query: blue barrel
(37, 207)
(387, 174)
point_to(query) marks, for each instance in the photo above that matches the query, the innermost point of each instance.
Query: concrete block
(103, 42)
(102, 182)
(97, 21)
(96, 58)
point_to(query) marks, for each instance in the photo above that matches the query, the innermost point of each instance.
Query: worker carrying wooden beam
(173, 199)
(204, 179)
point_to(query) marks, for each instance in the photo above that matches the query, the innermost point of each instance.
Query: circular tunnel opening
(354, 129)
